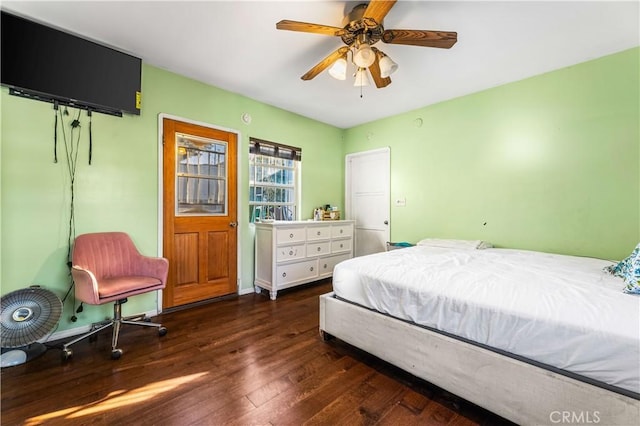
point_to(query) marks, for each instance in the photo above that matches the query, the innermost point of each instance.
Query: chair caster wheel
(67, 354)
(116, 353)
(162, 331)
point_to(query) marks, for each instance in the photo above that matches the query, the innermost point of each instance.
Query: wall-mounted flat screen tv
(47, 64)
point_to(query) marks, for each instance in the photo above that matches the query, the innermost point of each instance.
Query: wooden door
(200, 208)
(367, 199)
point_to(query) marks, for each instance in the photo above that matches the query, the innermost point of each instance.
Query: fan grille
(27, 315)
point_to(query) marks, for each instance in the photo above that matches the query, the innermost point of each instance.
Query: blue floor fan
(26, 316)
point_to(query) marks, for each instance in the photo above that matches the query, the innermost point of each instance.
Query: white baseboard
(243, 291)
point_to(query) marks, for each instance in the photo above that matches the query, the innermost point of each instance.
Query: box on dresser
(290, 253)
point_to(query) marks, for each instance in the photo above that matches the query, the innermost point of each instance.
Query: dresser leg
(258, 289)
(273, 294)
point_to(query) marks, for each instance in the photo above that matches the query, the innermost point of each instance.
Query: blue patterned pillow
(629, 270)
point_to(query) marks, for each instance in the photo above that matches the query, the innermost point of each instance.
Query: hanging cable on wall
(90, 136)
(71, 148)
(55, 132)
(71, 143)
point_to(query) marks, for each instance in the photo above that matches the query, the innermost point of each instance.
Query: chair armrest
(86, 285)
(157, 267)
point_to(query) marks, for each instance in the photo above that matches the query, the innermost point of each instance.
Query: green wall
(548, 163)
(119, 191)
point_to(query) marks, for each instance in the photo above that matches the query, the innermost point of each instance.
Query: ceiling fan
(363, 27)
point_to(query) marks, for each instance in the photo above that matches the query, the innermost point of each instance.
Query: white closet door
(367, 199)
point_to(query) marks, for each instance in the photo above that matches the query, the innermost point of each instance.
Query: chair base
(116, 323)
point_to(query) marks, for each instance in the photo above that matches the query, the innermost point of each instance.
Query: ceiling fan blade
(325, 63)
(378, 9)
(375, 71)
(442, 39)
(306, 27)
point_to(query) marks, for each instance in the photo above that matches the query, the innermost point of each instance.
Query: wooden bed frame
(516, 390)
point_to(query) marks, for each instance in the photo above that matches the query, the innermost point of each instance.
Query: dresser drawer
(340, 231)
(318, 233)
(340, 246)
(285, 253)
(290, 235)
(326, 264)
(291, 273)
(317, 249)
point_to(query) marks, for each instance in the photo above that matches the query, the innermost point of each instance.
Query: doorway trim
(239, 180)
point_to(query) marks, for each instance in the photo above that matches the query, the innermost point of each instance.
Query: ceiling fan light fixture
(387, 66)
(360, 31)
(339, 69)
(361, 78)
(364, 56)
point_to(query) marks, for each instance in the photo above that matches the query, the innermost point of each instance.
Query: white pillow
(455, 244)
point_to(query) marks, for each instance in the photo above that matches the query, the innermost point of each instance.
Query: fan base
(17, 356)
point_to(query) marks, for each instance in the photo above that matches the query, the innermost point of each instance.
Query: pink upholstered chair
(107, 267)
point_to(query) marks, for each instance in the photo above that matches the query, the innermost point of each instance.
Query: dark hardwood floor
(243, 360)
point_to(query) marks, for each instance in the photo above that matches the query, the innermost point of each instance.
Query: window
(274, 176)
(201, 185)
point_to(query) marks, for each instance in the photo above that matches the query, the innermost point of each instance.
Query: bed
(534, 337)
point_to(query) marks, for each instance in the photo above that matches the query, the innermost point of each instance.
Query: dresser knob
(341, 245)
(290, 235)
(290, 252)
(284, 274)
(318, 232)
(311, 269)
(319, 249)
(341, 231)
(325, 266)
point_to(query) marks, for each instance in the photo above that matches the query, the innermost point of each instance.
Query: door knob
(233, 224)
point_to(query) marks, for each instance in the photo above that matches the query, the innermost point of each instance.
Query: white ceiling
(234, 45)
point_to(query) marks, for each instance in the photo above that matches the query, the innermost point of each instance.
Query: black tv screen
(51, 65)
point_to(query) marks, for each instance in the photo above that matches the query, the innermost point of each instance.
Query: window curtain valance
(273, 149)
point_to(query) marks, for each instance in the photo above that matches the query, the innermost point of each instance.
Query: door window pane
(201, 176)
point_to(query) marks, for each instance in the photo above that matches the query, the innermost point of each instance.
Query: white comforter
(559, 310)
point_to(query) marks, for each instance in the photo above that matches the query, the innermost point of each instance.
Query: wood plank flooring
(239, 361)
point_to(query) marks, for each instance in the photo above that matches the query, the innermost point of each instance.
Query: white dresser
(294, 253)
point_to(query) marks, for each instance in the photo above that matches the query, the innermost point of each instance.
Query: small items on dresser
(326, 213)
